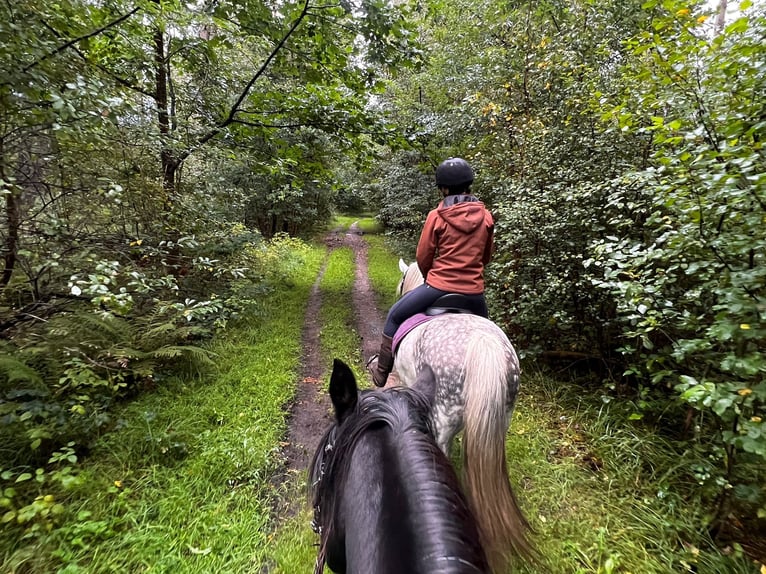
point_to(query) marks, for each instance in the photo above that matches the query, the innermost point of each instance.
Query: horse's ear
(426, 384)
(343, 390)
(403, 266)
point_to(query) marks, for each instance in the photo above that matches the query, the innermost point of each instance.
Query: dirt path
(310, 412)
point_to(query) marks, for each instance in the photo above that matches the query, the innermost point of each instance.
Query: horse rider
(456, 243)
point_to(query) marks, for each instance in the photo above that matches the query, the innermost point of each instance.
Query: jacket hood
(463, 212)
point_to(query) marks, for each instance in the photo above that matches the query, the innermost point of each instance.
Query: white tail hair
(501, 523)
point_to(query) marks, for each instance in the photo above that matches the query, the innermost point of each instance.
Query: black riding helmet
(454, 172)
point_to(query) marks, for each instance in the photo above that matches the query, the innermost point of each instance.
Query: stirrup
(374, 371)
(370, 361)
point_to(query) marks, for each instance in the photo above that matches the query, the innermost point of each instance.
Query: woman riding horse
(455, 245)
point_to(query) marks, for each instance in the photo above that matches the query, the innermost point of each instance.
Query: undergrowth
(603, 494)
(185, 480)
(182, 483)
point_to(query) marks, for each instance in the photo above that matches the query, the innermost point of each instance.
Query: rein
(316, 521)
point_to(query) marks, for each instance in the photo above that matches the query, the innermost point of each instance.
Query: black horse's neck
(389, 499)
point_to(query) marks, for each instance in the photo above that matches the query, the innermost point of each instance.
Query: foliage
(519, 109)
(538, 288)
(603, 492)
(544, 156)
(403, 194)
(189, 457)
(687, 261)
(619, 146)
(120, 129)
(146, 149)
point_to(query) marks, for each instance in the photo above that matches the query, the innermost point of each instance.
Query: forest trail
(550, 447)
(310, 414)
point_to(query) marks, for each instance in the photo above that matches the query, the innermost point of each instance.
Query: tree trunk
(720, 20)
(169, 163)
(11, 247)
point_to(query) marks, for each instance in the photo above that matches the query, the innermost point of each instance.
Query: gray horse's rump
(444, 343)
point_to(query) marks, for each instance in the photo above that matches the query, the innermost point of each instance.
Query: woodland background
(150, 149)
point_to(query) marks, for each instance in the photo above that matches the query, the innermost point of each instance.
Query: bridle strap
(321, 558)
(316, 523)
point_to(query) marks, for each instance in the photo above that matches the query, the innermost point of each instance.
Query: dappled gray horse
(477, 380)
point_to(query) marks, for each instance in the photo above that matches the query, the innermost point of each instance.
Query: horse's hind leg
(447, 423)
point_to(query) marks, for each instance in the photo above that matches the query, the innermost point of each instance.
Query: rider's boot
(385, 363)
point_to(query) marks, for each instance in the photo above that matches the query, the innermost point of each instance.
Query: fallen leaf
(200, 552)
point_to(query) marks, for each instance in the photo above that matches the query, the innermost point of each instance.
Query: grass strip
(293, 548)
(589, 483)
(383, 270)
(185, 484)
(338, 335)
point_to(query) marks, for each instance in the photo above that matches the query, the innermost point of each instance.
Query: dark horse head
(386, 499)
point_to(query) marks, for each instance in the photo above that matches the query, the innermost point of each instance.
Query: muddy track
(310, 412)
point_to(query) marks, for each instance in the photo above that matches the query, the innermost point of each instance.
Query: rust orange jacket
(455, 245)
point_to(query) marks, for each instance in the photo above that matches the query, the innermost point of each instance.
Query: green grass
(383, 270)
(597, 490)
(369, 225)
(293, 546)
(366, 222)
(338, 336)
(186, 484)
(190, 481)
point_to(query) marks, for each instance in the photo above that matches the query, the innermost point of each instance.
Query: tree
(136, 139)
(686, 264)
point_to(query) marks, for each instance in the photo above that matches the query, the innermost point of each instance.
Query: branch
(282, 126)
(235, 108)
(80, 38)
(319, 125)
(108, 72)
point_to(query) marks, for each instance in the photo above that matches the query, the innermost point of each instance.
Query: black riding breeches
(420, 299)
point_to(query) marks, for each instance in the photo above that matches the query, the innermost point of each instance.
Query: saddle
(449, 303)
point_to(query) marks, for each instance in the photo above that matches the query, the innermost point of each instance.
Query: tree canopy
(149, 147)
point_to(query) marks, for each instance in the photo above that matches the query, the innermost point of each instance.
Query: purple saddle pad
(408, 326)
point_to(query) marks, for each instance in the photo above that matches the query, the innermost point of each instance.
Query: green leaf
(9, 516)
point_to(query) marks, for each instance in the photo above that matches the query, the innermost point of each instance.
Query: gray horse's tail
(503, 528)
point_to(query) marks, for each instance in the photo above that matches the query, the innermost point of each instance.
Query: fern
(159, 330)
(15, 371)
(174, 351)
(89, 328)
(127, 351)
(80, 361)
